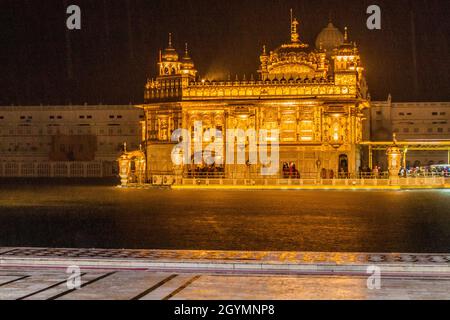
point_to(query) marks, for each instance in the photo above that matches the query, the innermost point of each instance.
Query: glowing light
(336, 136)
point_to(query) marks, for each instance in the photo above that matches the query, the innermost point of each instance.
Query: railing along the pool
(409, 181)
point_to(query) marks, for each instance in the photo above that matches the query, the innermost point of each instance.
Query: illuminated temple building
(316, 96)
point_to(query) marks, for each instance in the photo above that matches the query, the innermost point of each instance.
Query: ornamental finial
(346, 35)
(294, 25)
(170, 40)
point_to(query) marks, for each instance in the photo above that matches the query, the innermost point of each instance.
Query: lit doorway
(343, 164)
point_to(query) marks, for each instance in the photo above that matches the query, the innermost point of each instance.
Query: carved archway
(132, 167)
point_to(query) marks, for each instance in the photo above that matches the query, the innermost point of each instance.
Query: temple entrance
(208, 169)
(343, 165)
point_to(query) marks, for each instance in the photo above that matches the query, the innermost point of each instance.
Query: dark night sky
(117, 48)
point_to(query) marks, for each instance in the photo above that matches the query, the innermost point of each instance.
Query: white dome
(329, 38)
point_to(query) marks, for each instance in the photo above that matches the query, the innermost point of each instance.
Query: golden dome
(292, 60)
(170, 54)
(329, 38)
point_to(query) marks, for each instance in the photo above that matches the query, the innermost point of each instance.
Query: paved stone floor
(40, 274)
(51, 284)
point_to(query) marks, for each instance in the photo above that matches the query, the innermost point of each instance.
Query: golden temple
(316, 98)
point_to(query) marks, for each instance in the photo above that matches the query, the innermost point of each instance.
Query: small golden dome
(329, 38)
(187, 62)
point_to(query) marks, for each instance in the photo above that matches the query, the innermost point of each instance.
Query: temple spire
(170, 40)
(186, 51)
(294, 29)
(346, 35)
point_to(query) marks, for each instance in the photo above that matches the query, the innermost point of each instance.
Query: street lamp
(394, 159)
(124, 168)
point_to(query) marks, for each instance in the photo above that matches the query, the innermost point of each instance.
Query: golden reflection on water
(320, 221)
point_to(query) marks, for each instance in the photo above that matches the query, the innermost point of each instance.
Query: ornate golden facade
(315, 97)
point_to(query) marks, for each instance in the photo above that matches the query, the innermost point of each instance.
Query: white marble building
(412, 121)
(72, 138)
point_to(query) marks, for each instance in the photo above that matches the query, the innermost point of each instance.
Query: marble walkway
(41, 274)
(47, 284)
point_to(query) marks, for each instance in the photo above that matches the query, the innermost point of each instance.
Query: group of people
(330, 174)
(365, 172)
(327, 174)
(206, 171)
(378, 171)
(290, 171)
(425, 171)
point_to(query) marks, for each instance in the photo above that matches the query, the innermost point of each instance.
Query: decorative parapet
(266, 89)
